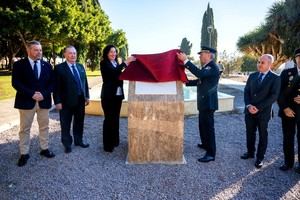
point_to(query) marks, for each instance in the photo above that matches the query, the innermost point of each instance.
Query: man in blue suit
(207, 97)
(71, 95)
(33, 80)
(261, 91)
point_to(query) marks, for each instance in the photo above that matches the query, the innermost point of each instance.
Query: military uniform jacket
(207, 85)
(290, 88)
(262, 95)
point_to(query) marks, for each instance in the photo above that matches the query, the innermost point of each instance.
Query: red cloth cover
(161, 67)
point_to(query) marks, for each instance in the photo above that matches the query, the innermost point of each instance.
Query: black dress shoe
(297, 169)
(23, 160)
(258, 164)
(68, 149)
(201, 146)
(206, 158)
(47, 153)
(284, 167)
(247, 156)
(82, 145)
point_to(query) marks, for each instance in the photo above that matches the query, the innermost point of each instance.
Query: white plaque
(155, 88)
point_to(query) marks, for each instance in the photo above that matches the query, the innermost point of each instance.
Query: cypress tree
(208, 21)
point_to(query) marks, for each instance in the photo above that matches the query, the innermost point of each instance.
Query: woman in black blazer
(112, 95)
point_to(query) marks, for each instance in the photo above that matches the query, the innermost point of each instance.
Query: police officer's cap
(297, 52)
(205, 49)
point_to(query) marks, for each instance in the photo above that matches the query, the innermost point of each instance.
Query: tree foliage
(186, 46)
(209, 35)
(56, 24)
(278, 35)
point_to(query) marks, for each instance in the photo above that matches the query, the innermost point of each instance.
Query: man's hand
(289, 112)
(38, 96)
(181, 56)
(297, 99)
(252, 109)
(58, 106)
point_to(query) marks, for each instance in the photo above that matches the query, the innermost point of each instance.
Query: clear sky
(154, 26)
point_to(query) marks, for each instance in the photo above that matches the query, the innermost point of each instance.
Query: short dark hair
(69, 47)
(32, 42)
(106, 51)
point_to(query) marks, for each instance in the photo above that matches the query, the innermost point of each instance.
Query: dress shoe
(201, 146)
(47, 153)
(82, 145)
(258, 164)
(68, 149)
(247, 156)
(23, 160)
(284, 167)
(206, 158)
(297, 169)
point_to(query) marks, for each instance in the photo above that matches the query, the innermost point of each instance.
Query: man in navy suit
(33, 80)
(289, 111)
(261, 91)
(207, 97)
(71, 95)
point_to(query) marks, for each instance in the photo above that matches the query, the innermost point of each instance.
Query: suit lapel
(69, 72)
(29, 68)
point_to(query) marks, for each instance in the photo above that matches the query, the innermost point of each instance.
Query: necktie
(77, 79)
(35, 70)
(260, 77)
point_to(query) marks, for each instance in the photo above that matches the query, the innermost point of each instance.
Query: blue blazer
(25, 83)
(207, 85)
(65, 89)
(262, 95)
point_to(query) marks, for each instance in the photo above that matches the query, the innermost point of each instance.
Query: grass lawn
(6, 90)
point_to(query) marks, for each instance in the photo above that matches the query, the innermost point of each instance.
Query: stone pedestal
(155, 123)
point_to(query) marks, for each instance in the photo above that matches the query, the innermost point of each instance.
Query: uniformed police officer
(207, 97)
(289, 104)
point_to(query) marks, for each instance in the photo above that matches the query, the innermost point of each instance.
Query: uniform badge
(208, 67)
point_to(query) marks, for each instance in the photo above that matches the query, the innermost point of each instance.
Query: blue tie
(260, 77)
(77, 79)
(35, 70)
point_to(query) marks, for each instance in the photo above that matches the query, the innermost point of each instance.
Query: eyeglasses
(262, 62)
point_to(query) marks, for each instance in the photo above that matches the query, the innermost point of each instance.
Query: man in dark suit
(207, 98)
(289, 111)
(71, 95)
(33, 78)
(261, 91)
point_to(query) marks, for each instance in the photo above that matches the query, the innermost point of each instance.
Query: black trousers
(207, 131)
(67, 114)
(253, 123)
(111, 109)
(289, 130)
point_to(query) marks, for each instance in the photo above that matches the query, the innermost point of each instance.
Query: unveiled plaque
(155, 125)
